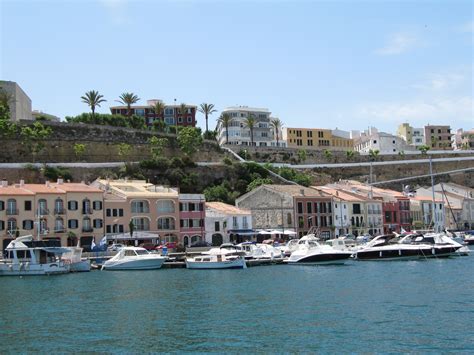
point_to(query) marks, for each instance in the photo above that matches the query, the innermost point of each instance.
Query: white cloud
(446, 81)
(445, 110)
(399, 43)
(116, 10)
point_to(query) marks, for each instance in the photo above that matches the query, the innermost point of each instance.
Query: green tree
(6, 99)
(124, 150)
(183, 110)
(33, 137)
(257, 182)
(277, 124)
(225, 120)
(302, 155)
(220, 193)
(128, 99)
(374, 153)
(424, 149)
(157, 145)
(207, 110)
(131, 227)
(158, 108)
(350, 154)
(79, 149)
(93, 99)
(327, 154)
(159, 126)
(189, 139)
(250, 123)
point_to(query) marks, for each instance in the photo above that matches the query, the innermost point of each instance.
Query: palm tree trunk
(277, 140)
(207, 128)
(93, 112)
(227, 134)
(251, 136)
(129, 111)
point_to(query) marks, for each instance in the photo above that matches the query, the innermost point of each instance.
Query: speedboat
(217, 258)
(259, 251)
(73, 257)
(441, 244)
(310, 251)
(134, 258)
(26, 256)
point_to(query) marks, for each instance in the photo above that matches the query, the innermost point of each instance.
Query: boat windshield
(141, 252)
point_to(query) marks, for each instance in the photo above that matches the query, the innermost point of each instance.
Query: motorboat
(469, 238)
(310, 251)
(26, 256)
(73, 257)
(259, 251)
(134, 258)
(289, 247)
(441, 244)
(217, 258)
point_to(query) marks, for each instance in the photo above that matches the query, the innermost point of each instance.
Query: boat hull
(320, 259)
(25, 269)
(81, 266)
(228, 264)
(406, 254)
(143, 264)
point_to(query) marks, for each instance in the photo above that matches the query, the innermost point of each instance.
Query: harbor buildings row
(135, 209)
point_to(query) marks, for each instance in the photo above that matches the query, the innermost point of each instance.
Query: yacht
(259, 251)
(441, 244)
(217, 258)
(310, 251)
(134, 258)
(26, 256)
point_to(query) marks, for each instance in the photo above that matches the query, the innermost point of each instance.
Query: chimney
(22, 183)
(302, 192)
(4, 183)
(60, 181)
(47, 183)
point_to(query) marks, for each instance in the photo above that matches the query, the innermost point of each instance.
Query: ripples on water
(415, 306)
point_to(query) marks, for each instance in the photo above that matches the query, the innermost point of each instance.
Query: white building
(385, 143)
(238, 132)
(226, 223)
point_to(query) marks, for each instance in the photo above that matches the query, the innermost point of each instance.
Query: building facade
(138, 206)
(227, 224)
(412, 136)
(20, 105)
(192, 215)
(316, 138)
(239, 134)
(438, 137)
(421, 213)
(385, 143)
(69, 212)
(171, 115)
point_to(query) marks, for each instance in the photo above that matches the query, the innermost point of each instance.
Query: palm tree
(158, 108)
(92, 98)
(128, 99)
(225, 121)
(250, 124)
(276, 123)
(207, 109)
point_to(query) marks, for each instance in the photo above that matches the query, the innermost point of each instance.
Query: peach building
(152, 211)
(69, 212)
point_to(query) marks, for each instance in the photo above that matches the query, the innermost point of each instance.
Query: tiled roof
(224, 207)
(297, 191)
(343, 195)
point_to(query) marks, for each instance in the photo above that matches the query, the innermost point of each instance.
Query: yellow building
(315, 138)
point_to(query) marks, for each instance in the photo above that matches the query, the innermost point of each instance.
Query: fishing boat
(310, 251)
(217, 258)
(134, 258)
(26, 256)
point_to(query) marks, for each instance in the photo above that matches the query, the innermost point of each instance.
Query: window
(27, 224)
(59, 225)
(98, 223)
(190, 119)
(97, 205)
(11, 224)
(309, 207)
(375, 142)
(140, 112)
(166, 223)
(169, 111)
(169, 120)
(289, 219)
(72, 223)
(180, 119)
(58, 206)
(27, 206)
(192, 206)
(165, 206)
(244, 222)
(2, 225)
(86, 206)
(309, 134)
(300, 222)
(234, 222)
(72, 205)
(217, 226)
(108, 229)
(140, 206)
(141, 223)
(86, 224)
(11, 207)
(300, 207)
(108, 212)
(356, 208)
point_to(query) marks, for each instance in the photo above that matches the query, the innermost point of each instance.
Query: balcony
(141, 210)
(12, 212)
(59, 210)
(87, 229)
(87, 210)
(59, 230)
(42, 211)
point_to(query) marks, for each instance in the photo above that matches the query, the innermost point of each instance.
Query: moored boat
(217, 259)
(134, 258)
(310, 251)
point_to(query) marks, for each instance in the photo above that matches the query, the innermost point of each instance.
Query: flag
(93, 244)
(103, 241)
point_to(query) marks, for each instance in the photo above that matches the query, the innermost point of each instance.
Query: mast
(432, 193)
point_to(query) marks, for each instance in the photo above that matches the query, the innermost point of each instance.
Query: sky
(326, 64)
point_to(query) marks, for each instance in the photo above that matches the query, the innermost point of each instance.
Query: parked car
(149, 246)
(201, 244)
(115, 247)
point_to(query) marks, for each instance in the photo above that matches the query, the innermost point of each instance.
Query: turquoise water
(416, 306)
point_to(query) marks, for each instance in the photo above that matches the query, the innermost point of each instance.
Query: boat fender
(433, 251)
(10, 267)
(27, 265)
(400, 252)
(380, 254)
(21, 266)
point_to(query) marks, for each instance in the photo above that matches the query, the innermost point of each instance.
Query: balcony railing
(87, 210)
(12, 211)
(42, 211)
(59, 210)
(141, 210)
(59, 229)
(87, 229)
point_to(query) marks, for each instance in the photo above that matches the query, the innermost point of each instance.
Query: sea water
(384, 306)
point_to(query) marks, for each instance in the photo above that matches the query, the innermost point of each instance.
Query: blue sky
(346, 64)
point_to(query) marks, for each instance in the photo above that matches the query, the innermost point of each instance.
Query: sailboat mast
(432, 193)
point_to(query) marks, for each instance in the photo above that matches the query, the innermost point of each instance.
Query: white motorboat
(310, 251)
(217, 258)
(73, 257)
(259, 251)
(26, 256)
(134, 258)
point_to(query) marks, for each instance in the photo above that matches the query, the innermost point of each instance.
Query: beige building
(316, 138)
(20, 105)
(69, 212)
(153, 210)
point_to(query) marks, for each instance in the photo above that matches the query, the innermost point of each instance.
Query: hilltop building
(171, 115)
(317, 138)
(238, 132)
(20, 105)
(385, 143)
(68, 212)
(438, 137)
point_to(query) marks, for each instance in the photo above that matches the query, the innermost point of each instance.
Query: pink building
(192, 215)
